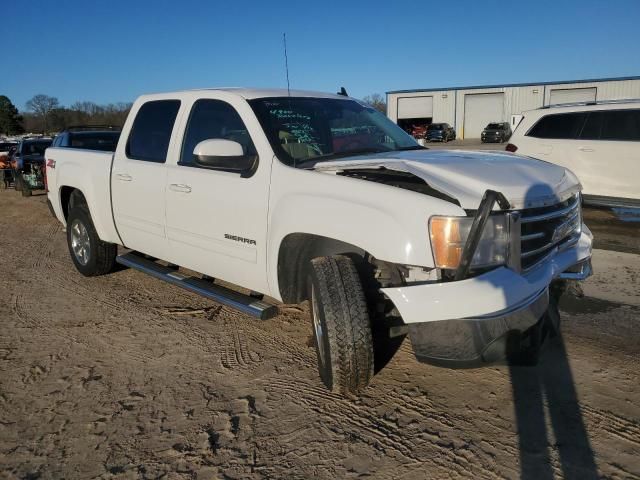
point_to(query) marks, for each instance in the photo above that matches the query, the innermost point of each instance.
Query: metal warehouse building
(470, 109)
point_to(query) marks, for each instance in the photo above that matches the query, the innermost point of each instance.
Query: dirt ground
(123, 376)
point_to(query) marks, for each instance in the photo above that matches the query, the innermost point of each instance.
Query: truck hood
(466, 175)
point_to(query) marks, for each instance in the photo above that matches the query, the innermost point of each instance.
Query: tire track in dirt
(237, 354)
(44, 247)
(613, 424)
(376, 431)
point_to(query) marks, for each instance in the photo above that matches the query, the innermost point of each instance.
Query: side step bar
(217, 293)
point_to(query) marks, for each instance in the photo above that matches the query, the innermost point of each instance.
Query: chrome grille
(543, 229)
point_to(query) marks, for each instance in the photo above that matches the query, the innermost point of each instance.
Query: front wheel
(341, 325)
(17, 182)
(26, 190)
(90, 255)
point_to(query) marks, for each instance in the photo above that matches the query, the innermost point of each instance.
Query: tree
(10, 121)
(377, 101)
(42, 105)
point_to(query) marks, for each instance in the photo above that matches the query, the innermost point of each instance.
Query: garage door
(415, 107)
(481, 109)
(572, 95)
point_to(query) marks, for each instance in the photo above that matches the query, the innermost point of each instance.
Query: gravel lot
(123, 376)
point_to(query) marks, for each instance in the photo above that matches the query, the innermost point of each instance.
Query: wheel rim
(80, 243)
(317, 326)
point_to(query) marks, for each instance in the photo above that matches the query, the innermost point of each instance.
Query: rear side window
(151, 131)
(621, 125)
(559, 125)
(214, 119)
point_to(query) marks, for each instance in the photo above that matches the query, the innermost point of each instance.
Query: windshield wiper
(333, 156)
(413, 147)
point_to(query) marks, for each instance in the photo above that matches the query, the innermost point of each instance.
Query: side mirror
(220, 154)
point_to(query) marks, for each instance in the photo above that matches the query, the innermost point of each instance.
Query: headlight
(449, 235)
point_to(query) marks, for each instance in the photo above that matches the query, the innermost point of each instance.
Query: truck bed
(88, 171)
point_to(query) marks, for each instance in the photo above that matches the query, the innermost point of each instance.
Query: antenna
(286, 61)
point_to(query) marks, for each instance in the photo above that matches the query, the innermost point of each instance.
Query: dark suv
(496, 132)
(90, 137)
(28, 164)
(440, 132)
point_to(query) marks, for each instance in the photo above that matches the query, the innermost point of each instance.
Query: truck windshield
(35, 148)
(304, 131)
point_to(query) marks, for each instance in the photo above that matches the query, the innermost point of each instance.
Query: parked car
(599, 142)
(496, 132)
(440, 132)
(28, 165)
(381, 235)
(91, 137)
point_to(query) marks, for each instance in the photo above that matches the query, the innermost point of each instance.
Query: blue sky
(114, 51)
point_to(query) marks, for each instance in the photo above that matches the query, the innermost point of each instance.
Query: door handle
(585, 149)
(125, 177)
(180, 187)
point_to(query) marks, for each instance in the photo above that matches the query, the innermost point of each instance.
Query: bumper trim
(580, 271)
(472, 342)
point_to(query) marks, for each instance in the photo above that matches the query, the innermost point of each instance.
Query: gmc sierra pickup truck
(295, 196)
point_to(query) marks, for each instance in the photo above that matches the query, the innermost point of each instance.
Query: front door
(138, 178)
(216, 220)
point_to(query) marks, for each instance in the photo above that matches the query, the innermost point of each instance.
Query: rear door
(553, 138)
(608, 153)
(217, 220)
(138, 177)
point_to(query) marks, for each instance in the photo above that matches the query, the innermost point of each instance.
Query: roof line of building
(529, 84)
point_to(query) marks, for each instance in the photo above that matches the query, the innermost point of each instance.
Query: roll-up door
(572, 95)
(415, 107)
(481, 109)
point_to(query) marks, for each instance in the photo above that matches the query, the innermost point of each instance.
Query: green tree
(42, 105)
(10, 121)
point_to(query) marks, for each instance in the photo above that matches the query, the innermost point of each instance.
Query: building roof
(529, 84)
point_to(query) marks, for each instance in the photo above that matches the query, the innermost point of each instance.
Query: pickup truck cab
(308, 196)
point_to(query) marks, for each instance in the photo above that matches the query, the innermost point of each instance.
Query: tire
(341, 325)
(17, 182)
(100, 257)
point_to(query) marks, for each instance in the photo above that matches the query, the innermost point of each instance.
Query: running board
(217, 293)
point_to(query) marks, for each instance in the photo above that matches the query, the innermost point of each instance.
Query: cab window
(151, 131)
(214, 119)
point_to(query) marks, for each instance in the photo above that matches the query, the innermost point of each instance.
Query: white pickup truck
(307, 196)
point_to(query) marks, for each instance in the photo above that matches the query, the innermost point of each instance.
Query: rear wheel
(341, 325)
(90, 255)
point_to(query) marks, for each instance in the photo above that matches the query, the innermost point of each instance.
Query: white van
(599, 142)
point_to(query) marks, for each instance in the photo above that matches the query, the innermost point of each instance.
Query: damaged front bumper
(469, 322)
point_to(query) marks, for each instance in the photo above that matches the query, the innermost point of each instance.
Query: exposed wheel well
(70, 197)
(294, 257)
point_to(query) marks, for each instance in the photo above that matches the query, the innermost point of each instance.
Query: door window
(214, 119)
(559, 125)
(592, 126)
(151, 131)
